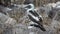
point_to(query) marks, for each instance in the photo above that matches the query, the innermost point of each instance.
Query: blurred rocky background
(16, 21)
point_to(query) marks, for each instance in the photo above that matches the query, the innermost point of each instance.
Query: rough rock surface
(6, 24)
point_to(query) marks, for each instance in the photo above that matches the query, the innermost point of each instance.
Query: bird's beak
(25, 7)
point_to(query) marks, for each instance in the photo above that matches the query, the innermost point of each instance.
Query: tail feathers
(41, 27)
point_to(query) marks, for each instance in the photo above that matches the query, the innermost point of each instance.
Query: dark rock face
(5, 2)
(52, 13)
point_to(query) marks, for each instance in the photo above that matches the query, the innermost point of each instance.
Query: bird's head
(29, 7)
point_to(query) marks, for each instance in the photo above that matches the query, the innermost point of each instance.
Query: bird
(34, 17)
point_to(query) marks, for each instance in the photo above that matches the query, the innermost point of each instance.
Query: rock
(7, 20)
(20, 29)
(6, 24)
